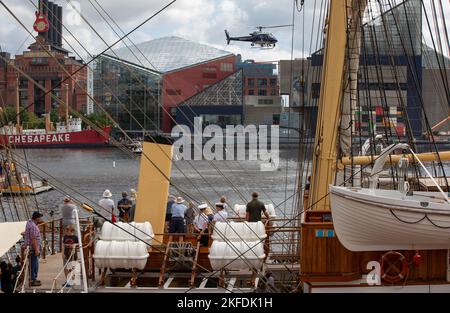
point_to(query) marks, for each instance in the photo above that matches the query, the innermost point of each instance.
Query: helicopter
(263, 39)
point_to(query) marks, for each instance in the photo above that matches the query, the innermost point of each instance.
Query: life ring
(390, 272)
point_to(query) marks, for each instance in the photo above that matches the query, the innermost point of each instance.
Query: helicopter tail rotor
(228, 37)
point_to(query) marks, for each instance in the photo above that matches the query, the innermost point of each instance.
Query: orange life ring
(389, 270)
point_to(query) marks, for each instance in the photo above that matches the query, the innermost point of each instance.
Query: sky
(202, 21)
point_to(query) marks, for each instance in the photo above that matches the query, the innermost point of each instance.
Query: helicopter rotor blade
(275, 26)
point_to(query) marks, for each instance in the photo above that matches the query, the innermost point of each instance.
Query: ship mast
(335, 73)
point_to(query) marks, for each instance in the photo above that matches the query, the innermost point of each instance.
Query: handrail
(25, 265)
(62, 270)
(381, 160)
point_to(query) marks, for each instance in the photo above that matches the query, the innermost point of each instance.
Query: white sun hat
(107, 194)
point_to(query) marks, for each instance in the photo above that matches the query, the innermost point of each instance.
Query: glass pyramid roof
(167, 53)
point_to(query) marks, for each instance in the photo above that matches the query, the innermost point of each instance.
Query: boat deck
(48, 270)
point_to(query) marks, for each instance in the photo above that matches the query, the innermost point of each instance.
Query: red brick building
(49, 71)
(48, 64)
(182, 84)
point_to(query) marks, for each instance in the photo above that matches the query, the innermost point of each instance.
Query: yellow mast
(324, 159)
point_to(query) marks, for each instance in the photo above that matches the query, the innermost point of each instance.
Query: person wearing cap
(67, 212)
(254, 209)
(221, 215)
(124, 206)
(33, 242)
(201, 225)
(177, 221)
(108, 204)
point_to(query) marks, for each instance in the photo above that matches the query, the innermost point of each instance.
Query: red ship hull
(79, 139)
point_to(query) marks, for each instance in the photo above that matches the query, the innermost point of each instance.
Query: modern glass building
(142, 85)
(130, 94)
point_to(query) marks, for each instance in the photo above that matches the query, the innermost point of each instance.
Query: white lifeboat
(120, 254)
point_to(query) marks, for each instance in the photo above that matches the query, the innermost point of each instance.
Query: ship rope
(414, 69)
(419, 220)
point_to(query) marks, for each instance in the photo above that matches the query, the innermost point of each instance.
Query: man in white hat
(201, 225)
(108, 204)
(177, 221)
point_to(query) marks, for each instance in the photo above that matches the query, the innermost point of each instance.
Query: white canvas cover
(10, 233)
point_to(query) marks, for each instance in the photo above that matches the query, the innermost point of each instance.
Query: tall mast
(334, 78)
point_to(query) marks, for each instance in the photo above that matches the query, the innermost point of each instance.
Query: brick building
(48, 63)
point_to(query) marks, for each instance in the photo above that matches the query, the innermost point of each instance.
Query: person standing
(170, 202)
(189, 216)
(221, 215)
(67, 211)
(70, 243)
(224, 201)
(201, 225)
(124, 206)
(177, 221)
(33, 241)
(133, 198)
(254, 209)
(108, 204)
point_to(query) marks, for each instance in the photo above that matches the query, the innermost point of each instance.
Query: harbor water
(85, 173)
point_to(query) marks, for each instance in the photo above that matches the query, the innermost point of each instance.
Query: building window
(273, 82)
(251, 82)
(209, 72)
(265, 101)
(262, 82)
(262, 92)
(276, 119)
(221, 120)
(273, 92)
(251, 92)
(173, 92)
(226, 67)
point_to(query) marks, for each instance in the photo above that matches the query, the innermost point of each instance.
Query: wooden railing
(52, 233)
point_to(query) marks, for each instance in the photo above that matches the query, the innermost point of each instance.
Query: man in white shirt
(201, 225)
(108, 204)
(221, 215)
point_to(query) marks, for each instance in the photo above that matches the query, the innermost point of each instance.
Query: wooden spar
(424, 157)
(323, 172)
(441, 123)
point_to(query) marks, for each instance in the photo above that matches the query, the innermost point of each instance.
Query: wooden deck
(48, 269)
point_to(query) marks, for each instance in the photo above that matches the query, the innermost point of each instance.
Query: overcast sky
(198, 20)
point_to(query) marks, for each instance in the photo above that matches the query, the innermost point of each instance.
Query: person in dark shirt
(16, 269)
(254, 209)
(7, 277)
(124, 206)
